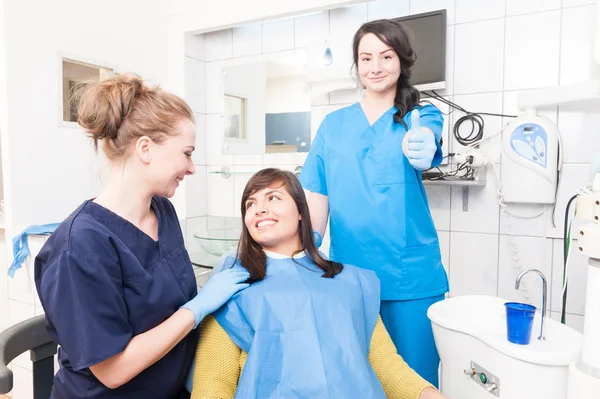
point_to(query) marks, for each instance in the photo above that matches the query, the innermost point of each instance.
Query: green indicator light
(483, 378)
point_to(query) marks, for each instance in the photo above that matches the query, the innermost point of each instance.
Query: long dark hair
(250, 253)
(396, 36)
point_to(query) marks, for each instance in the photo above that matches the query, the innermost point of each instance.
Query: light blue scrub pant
(410, 329)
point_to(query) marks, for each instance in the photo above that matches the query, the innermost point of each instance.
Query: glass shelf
(455, 182)
(217, 172)
(201, 259)
(225, 172)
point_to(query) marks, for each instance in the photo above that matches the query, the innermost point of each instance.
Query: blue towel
(21, 249)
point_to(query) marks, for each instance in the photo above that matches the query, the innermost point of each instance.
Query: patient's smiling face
(272, 219)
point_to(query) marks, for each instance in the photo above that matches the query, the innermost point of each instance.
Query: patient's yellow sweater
(219, 363)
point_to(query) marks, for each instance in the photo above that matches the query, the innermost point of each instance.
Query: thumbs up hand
(419, 143)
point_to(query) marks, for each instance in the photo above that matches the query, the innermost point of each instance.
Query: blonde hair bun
(103, 106)
(120, 109)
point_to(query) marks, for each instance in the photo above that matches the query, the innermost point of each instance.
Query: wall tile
(575, 3)
(447, 115)
(22, 286)
(345, 97)
(214, 141)
(518, 219)
(576, 49)
(516, 7)
(219, 45)
(473, 264)
(518, 254)
(483, 212)
(247, 40)
(573, 177)
(279, 159)
(450, 44)
(311, 27)
(193, 226)
(577, 279)
(220, 194)
(183, 225)
(234, 222)
(474, 10)
(195, 46)
(490, 103)
(387, 9)
(256, 159)
(574, 321)
(39, 310)
(580, 138)
(195, 193)
(532, 51)
(444, 238)
(214, 86)
(285, 55)
(510, 107)
(300, 56)
(251, 59)
(195, 87)
(320, 100)
(216, 222)
(23, 383)
(478, 57)
(278, 35)
(199, 154)
(344, 22)
(421, 6)
(439, 205)
(300, 158)
(18, 312)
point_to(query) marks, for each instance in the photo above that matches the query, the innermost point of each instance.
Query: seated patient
(306, 327)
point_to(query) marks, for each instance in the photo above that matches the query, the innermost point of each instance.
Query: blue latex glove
(421, 144)
(317, 238)
(216, 292)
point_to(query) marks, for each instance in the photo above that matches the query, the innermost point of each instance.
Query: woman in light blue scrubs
(364, 173)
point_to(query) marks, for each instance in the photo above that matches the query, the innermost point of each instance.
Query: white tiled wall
(496, 48)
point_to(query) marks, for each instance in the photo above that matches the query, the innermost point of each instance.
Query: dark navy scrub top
(102, 281)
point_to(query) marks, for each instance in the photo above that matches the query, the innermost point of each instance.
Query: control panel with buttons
(484, 378)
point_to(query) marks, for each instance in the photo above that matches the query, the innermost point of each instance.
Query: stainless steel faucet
(544, 295)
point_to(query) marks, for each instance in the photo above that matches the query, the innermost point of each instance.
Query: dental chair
(29, 335)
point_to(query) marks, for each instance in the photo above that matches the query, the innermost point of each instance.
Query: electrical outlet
(475, 158)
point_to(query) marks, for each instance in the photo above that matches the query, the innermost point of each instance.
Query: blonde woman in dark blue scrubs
(364, 173)
(114, 279)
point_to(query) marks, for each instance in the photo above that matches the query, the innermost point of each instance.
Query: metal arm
(29, 335)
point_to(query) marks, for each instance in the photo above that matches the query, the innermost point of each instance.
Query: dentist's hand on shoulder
(217, 290)
(419, 143)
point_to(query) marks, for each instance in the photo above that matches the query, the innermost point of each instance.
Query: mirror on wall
(266, 109)
(234, 114)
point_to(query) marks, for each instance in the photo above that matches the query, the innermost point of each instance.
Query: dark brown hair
(396, 36)
(250, 253)
(120, 109)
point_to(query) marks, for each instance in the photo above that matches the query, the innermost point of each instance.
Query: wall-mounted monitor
(428, 38)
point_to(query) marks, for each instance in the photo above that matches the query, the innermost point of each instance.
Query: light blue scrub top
(379, 215)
